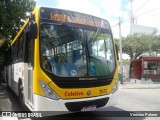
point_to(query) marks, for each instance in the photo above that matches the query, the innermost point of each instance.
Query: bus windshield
(71, 51)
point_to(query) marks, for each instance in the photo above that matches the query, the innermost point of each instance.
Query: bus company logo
(89, 93)
(77, 93)
(24, 115)
(6, 114)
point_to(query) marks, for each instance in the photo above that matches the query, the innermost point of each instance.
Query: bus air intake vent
(77, 106)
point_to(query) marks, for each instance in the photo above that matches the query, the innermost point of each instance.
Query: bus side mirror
(117, 51)
(33, 30)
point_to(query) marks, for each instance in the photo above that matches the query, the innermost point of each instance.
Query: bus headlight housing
(48, 91)
(115, 87)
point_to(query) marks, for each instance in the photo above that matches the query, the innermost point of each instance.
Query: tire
(21, 93)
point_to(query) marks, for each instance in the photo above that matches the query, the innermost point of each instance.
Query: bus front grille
(82, 84)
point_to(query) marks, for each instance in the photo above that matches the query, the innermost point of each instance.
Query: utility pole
(120, 47)
(132, 17)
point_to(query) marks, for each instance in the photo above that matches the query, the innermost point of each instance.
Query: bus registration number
(89, 108)
(103, 91)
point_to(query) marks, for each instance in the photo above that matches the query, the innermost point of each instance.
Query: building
(134, 28)
(146, 67)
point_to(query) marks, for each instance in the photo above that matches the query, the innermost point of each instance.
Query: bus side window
(15, 45)
(28, 48)
(29, 54)
(8, 57)
(20, 47)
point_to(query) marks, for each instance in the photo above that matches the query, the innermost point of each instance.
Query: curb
(138, 87)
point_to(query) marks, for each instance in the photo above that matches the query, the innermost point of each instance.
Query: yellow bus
(63, 60)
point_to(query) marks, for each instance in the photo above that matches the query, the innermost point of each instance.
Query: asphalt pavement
(8, 100)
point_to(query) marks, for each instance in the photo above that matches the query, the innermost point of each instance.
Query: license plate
(89, 108)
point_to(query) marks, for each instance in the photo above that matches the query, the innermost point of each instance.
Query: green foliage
(2, 58)
(116, 41)
(11, 13)
(136, 44)
(3, 50)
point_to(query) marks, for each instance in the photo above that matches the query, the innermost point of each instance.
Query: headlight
(48, 91)
(115, 87)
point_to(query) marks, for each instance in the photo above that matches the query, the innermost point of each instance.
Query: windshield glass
(68, 51)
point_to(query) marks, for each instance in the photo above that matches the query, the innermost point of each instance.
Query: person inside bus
(46, 64)
(50, 60)
(63, 65)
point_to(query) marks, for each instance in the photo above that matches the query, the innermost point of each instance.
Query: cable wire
(148, 11)
(141, 6)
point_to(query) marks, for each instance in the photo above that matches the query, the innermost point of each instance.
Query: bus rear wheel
(21, 93)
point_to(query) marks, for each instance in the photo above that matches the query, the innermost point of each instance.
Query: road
(128, 100)
(139, 99)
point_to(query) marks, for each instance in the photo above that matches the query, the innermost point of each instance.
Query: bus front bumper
(62, 106)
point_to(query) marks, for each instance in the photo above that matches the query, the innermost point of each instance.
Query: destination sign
(73, 17)
(64, 18)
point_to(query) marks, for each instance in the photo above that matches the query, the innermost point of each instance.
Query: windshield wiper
(91, 41)
(74, 33)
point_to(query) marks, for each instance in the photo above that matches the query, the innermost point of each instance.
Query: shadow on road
(111, 113)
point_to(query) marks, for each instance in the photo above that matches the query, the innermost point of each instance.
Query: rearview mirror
(33, 30)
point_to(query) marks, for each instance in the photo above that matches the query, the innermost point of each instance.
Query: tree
(116, 41)
(136, 44)
(3, 45)
(11, 14)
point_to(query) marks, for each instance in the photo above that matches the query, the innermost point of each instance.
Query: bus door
(30, 70)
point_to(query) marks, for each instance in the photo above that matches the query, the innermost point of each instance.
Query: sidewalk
(139, 84)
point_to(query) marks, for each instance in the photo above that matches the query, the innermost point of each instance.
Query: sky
(145, 12)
